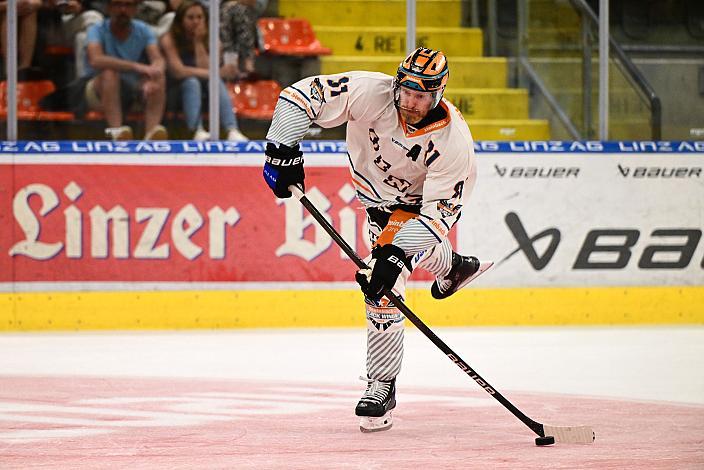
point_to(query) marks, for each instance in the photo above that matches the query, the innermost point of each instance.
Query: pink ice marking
(108, 423)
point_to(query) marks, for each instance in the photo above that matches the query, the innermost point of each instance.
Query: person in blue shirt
(125, 66)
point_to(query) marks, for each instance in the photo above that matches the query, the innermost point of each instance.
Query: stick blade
(571, 434)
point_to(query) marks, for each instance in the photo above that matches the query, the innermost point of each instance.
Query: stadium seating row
(290, 36)
(250, 99)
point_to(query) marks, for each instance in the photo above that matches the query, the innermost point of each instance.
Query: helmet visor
(412, 88)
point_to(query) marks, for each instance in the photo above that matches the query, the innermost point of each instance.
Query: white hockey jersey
(391, 163)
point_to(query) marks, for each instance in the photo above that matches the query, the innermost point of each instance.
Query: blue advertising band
(337, 146)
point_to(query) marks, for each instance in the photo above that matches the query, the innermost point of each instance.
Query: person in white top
(412, 163)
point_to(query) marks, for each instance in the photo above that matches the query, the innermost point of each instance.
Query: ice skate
(374, 408)
(464, 270)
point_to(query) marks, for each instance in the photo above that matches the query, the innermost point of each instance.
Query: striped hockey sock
(384, 342)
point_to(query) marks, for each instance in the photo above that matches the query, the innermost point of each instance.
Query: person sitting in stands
(238, 33)
(26, 31)
(66, 23)
(185, 46)
(126, 65)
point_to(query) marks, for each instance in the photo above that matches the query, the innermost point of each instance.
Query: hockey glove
(283, 167)
(387, 263)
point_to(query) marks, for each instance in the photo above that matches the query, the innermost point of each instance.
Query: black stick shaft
(398, 302)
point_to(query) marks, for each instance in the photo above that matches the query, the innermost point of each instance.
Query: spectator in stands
(69, 25)
(150, 11)
(26, 31)
(165, 20)
(125, 65)
(155, 13)
(186, 49)
(238, 33)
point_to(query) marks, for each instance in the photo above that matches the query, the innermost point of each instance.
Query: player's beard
(411, 116)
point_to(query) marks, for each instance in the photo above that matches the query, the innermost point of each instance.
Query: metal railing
(527, 75)
(550, 98)
(589, 21)
(631, 70)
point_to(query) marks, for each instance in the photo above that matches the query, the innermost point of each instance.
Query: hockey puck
(544, 441)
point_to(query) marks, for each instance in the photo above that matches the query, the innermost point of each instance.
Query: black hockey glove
(387, 264)
(283, 167)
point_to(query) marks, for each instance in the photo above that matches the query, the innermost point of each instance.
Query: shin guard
(384, 340)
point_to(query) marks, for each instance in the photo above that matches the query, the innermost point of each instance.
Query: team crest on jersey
(383, 318)
(378, 306)
(448, 209)
(316, 91)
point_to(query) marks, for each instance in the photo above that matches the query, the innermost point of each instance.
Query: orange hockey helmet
(423, 70)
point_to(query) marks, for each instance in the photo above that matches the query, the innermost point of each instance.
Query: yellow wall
(343, 308)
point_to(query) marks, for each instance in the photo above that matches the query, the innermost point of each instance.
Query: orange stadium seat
(28, 96)
(256, 99)
(99, 116)
(55, 50)
(290, 36)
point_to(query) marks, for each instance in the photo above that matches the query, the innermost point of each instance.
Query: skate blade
(375, 424)
(483, 267)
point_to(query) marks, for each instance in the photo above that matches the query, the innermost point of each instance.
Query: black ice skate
(374, 408)
(464, 270)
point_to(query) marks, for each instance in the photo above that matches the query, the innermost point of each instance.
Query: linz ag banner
(75, 222)
(549, 214)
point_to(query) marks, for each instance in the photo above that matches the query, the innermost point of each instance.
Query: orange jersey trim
(362, 186)
(300, 101)
(430, 127)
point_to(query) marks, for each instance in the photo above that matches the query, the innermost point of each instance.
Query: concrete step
(509, 129)
(441, 13)
(391, 40)
(623, 129)
(557, 38)
(487, 103)
(465, 72)
(622, 105)
(629, 129)
(552, 13)
(565, 73)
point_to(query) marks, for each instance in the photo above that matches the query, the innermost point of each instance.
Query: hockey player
(411, 162)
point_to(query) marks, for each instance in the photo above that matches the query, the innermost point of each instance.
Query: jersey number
(458, 190)
(374, 139)
(338, 87)
(400, 184)
(429, 157)
(414, 152)
(382, 164)
(431, 154)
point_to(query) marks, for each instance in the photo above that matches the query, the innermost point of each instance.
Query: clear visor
(434, 96)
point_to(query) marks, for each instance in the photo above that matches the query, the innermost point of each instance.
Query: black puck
(544, 441)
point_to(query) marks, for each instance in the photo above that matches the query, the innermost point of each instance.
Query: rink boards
(186, 235)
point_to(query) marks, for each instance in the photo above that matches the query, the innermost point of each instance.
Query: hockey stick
(571, 434)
